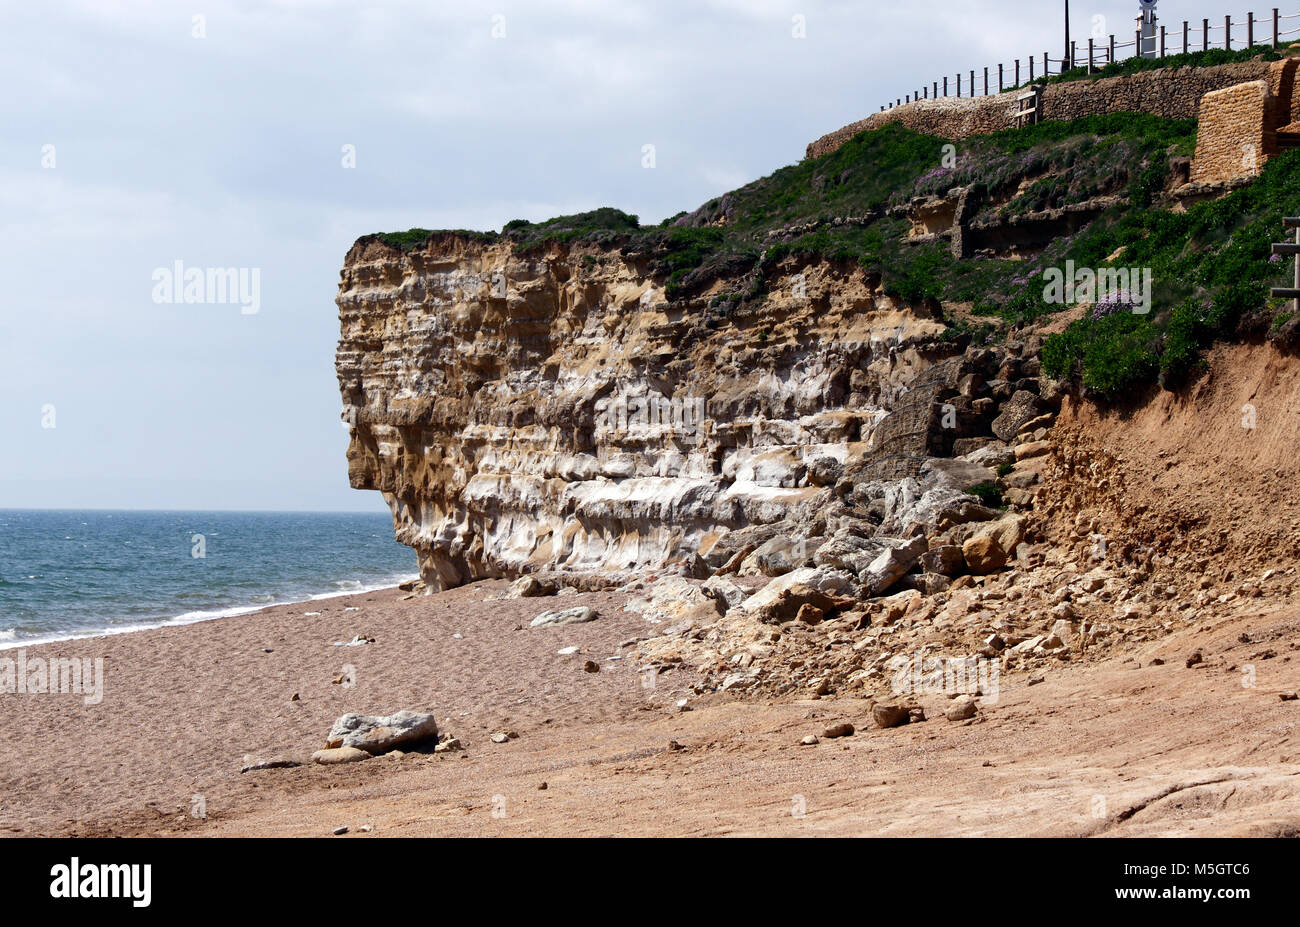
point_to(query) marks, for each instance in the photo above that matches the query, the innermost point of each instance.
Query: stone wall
(1174, 93)
(1237, 133)
(1171, 92)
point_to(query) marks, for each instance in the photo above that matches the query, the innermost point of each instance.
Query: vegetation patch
(989, 494)
(1210, 264)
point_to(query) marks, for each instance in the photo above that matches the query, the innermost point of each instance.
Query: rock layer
(551, 410)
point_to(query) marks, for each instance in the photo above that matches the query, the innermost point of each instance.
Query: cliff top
(1099, 192)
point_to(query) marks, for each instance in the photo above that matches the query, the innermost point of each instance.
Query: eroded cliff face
(551, 410)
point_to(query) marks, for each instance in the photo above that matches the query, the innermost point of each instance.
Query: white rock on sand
(379, 734)
(577, 615)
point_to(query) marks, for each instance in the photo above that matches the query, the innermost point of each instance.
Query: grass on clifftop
(1210, 264)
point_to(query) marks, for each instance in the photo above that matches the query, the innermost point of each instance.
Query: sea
(68, 574)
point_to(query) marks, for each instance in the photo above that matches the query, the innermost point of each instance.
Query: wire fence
(1097, 53)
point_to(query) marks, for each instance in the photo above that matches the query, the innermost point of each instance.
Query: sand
(1118, 747)
(183, 705)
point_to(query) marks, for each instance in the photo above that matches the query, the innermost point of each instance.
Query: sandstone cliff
(847, 367)
(553, 410)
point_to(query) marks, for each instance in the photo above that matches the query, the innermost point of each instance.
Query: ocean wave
(356, 587)
(8, 639)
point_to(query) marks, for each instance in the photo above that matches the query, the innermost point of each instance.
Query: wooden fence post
(1205, 35)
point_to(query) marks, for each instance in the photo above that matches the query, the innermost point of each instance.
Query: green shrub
(1112, 356)
(1210, 264)
(988, 494)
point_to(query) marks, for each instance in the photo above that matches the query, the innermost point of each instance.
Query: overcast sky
(130, 143)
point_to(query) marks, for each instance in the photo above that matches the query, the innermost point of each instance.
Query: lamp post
(1066, 63)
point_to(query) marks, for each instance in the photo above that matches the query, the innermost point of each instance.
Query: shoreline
(183, 705)
(185, 619)
(597, 752)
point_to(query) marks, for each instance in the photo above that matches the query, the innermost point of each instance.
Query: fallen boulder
(332, 756)
(850, 551)
(672, 599)
(528, 587)
(891, 566)
(1021, 408)
(726, 594)
(381, 733)
(992, 455)
(962, 710)
(253, 763)
(945, 559)
(825, 471)
(831, 581)
(1009, 531)
(983, 555)
(1032, 449)
(576, 615)
(788, 604)
(887, 716)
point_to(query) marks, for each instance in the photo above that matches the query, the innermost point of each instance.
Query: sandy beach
(183, 706)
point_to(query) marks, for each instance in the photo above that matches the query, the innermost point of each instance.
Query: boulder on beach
(576, 615)
(332, 756)
(380, 733)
